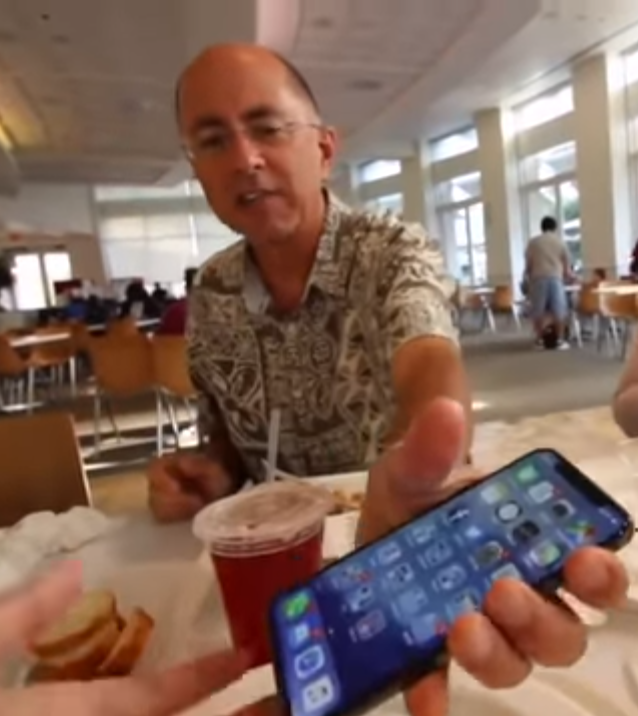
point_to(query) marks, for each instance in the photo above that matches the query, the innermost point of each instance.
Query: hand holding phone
(377, 620)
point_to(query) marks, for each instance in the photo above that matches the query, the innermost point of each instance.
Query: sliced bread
(92, 613)
(82, 661)
(130, 646)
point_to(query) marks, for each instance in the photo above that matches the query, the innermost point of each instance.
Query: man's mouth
(249, 198)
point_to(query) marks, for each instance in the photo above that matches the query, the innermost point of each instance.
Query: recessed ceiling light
(365, 85)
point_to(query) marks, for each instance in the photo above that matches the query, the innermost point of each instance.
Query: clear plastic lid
(263, 519)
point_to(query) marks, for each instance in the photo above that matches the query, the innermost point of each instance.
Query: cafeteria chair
(123, 368)
(172, 384)
(41, 466)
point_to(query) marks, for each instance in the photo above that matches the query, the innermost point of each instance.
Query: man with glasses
(339, 322)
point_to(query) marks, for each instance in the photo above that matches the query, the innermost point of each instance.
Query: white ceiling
(86, 88)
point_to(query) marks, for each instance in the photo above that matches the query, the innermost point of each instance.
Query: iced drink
(262, 541)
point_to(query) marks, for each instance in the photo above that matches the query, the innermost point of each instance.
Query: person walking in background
(173, 321)
(547, 267)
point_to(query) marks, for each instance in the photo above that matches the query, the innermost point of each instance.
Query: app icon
(388, 553)
(526, 474)
(297, 605)
(562, 509)
(488, 554)
(299, 635)
(423, 532)
(509, 512)
(437, 552)
(494, 493)
(542, 492)
(360, 599)
(309, 661)
(457, 515)
(526, 532)
(546, 554)
(369, 626)
(473, 533)
(463, 603)
(426, 627)
(451, 577)
(399, 576)
(318, 694)
(507, 571)
(581, 532)
(412, 601)
(350, 576)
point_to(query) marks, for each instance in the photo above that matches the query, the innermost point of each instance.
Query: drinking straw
(273, 443)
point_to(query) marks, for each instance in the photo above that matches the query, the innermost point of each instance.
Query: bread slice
(130, 646)
(89, 615)
(80, 662)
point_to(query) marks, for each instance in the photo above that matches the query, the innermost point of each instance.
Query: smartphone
(376, 621)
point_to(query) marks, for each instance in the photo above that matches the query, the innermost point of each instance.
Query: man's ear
(328, 143)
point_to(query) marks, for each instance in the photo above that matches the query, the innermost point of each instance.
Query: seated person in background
(138, 303)
(173, 321)
(598, 276)
(625, 402)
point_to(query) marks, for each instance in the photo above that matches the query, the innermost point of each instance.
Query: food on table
(93, 640)
(346, 501)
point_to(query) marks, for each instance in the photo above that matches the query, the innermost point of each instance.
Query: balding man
(340, 321)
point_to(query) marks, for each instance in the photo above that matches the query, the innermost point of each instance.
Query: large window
(631, 67)
(459, 189)
(561, 201)
(455, 144)
(460, 211)
(157, 232)
(550, 164)
(465, 227)
(545, 108)
(390, 202)
(379, 169)
(550, 189)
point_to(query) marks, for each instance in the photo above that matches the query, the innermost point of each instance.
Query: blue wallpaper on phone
(358, 624)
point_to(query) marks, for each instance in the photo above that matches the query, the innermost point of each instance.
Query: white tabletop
(629, 289)
(34, 340)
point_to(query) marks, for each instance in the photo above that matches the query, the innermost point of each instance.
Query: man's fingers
(25, 613)
(432, 448)
(484, 652)
(430, 697)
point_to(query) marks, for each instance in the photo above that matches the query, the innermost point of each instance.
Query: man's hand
(26, 613)
(181, 484)
(518, 627)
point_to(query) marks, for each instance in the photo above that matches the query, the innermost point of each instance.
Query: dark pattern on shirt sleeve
(414, 291)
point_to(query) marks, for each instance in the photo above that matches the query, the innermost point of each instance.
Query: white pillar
(418, 195)
(602, 165)
(504, 239)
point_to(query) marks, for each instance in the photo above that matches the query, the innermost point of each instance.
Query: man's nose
(245, 153)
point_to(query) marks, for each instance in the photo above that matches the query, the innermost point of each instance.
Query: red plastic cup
(262, 541)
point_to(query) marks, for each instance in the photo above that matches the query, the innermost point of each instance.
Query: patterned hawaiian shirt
(376, 283)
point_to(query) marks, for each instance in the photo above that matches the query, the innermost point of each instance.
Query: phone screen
(362, 624)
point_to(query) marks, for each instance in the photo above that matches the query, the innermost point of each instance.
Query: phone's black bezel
(577, 479)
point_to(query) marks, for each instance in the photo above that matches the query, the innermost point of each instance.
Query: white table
(35, 340)
(629, 289)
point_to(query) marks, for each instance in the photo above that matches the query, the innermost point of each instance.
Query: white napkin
(46, 534)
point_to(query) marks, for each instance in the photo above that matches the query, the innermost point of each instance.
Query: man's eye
(266, 130)
(211, 141)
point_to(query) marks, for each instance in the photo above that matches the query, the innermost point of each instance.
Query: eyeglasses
(214, 143)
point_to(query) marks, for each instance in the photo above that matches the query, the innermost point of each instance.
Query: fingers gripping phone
(376, 621)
